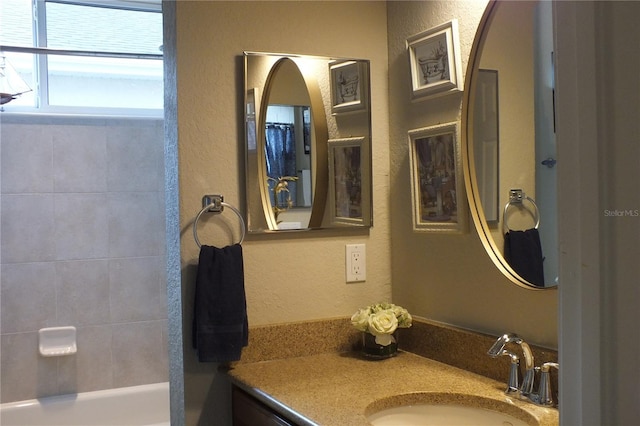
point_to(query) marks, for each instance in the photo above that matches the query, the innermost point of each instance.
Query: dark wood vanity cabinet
(248, 411)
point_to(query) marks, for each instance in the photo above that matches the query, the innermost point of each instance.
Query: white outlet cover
(355, 253)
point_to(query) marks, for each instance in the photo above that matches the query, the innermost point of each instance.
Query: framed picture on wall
(434, 59)
(349, 186)
(437, 185)
(348, 86)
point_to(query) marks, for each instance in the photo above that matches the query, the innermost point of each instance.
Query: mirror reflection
(288, 152)
(511, 141)
(295, 127)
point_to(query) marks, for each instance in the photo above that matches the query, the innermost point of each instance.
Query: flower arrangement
(381, 320)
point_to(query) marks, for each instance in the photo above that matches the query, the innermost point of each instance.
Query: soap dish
(57, 341)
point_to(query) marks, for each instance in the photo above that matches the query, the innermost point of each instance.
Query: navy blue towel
(220, 328)
(523, 252)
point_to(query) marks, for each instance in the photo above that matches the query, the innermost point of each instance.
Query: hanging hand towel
(220, 328)
(523, 252)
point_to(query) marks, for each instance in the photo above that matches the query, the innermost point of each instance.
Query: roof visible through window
(93, 65)
(103, 29)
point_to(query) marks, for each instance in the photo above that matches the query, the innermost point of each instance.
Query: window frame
(41, 55)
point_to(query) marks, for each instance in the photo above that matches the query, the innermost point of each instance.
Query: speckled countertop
(338, 388)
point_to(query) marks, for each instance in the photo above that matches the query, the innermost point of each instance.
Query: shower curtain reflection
(280, 154)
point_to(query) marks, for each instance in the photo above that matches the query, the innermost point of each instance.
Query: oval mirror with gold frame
(509, 141)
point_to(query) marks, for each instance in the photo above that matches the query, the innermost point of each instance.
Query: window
(85, 56)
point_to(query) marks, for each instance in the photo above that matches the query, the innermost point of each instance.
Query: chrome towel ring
(215, 204)
(517, 197)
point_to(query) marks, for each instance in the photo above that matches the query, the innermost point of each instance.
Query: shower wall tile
(82, 244)
(27, 228)
(27, 159)
(30, 287)
(82, 292)
(164, 327)
(138, 354)
(81, 226)
(135, 221)
(24, 374)
(136, 159)
(80, 159)
(136, 291)
(90, 368)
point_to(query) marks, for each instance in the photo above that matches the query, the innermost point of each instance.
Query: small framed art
(434, 59)
(348, 86)
(349, 182)
(437, 185)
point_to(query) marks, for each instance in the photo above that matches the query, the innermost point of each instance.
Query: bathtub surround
(82, 244)
(145, 405)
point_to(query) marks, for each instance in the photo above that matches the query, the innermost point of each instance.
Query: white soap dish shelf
(57, 341)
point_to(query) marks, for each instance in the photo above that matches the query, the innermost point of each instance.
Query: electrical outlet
(355, 263)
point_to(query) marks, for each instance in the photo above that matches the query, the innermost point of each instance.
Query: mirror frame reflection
(318, 150)
(328, 125)
(484, 226)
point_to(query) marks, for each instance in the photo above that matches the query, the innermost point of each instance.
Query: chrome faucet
(514, 372)
(544, 391)
(526, 388)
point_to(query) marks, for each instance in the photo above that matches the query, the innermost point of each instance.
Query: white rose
(404, 319)
(397, 310)
(383, 323)
(360, 319)
(384, 339)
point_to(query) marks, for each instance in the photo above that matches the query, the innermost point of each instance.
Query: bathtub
(146, 405)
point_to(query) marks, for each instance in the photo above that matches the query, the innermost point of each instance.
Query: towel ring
(214, 204)
(517, 197)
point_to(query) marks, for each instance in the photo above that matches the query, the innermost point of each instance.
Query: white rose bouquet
(381, 320)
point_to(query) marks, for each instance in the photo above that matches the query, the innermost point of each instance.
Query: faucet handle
(544, 393)
(514, 372)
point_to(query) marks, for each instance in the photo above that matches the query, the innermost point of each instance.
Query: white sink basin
(441, 409)
(440, 415)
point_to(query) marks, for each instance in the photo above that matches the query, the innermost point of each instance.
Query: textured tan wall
(287, 277)
(447, 278)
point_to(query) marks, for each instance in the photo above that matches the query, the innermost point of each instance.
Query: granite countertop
(336, 388)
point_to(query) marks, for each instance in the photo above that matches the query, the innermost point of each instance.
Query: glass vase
(371, 349)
